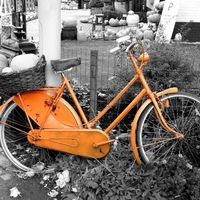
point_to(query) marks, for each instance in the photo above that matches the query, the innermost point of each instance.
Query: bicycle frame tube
(126, 111)
(139, 75)
(151, 95)
(146, 90)
(77, 104)
(101, 114)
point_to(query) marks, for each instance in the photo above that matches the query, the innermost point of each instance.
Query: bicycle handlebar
(126, 43)
(120, 42)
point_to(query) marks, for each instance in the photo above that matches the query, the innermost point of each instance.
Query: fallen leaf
(53, 193)
(14, 192)
(30, 173)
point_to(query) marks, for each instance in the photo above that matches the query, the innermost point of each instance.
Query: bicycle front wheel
(182, 113)
(14, 127)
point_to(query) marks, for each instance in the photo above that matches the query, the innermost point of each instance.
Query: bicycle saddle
(64, 64)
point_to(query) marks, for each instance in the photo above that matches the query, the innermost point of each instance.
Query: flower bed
(69, 5)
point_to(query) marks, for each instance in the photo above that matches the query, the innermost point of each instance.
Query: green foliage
(95, 3)
(108, 14)
(170, 65)
(184, 30)
(108, 8)
(117, 177)
(142, 16)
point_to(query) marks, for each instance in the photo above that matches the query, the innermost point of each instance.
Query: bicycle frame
(57, 138)
(146, 91)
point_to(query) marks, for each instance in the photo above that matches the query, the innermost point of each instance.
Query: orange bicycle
(34, 123)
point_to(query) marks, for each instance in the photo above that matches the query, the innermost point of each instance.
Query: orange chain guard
(73, 141)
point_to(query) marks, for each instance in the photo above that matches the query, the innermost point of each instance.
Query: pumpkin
(111, 32)
(150, 13)
(24, 61)
(114, 22)
(161, 5)
(84, 20)
(139, 34)
(178, 37)
(111, 20)
(121, 33)
(122, 22)
(106, 22)
(148, 34)
(157, 5)
(135, 32)
(128, 30)
(144, 27)
(154, 18)
(3, 62)
(69, 22)
(7, 70)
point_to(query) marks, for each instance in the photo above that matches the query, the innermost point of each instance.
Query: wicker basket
(25, 80)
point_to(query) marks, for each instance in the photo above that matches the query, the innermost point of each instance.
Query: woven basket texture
(25, 80)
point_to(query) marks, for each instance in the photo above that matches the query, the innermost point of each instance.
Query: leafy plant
(117, 177)
(108, 14)
(170, 65)
(96, 3)
(184, 30)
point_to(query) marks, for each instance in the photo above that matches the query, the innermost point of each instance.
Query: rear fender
(137, 117)
(37, 104)
(4, 106)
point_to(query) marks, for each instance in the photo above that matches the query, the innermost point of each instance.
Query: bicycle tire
(14, 127)
(183, 115)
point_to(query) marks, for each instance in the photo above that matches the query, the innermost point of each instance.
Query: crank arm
(97, 144)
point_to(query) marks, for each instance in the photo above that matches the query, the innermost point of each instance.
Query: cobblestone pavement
(6, 176)
(30, 188)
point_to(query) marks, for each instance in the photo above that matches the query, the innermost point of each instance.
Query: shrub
(108, 14)
(142, 16)
(170, 65)
(95, 3)
(108, 8)
(117, 177)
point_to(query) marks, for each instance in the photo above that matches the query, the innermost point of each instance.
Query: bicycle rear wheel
(14, 127)
(182, 114)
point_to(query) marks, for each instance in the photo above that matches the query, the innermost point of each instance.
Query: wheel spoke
(14, 142)
(183, 115)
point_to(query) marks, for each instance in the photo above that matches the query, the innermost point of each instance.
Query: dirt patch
(30, 188)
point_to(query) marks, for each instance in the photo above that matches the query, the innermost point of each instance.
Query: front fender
(137, 116)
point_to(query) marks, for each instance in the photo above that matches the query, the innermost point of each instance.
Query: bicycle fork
(158, 111)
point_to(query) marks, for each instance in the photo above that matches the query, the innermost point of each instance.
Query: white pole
(49, 19)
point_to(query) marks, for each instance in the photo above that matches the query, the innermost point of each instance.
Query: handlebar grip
(123, 39)
(115, 49)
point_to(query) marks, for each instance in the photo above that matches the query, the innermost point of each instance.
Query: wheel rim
(182, 115)
(19, 151)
